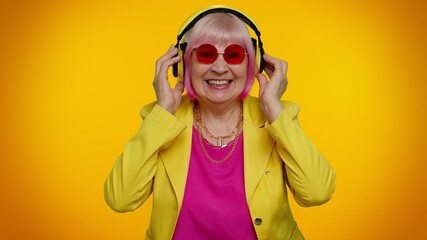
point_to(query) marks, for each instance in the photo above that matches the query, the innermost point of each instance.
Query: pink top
(214, 205)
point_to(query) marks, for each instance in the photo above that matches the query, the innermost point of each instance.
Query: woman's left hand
(271, 91)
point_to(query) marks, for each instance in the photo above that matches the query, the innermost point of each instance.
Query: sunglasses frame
(224, 54)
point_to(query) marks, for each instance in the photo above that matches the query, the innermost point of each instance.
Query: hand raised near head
(271, 91)
(167, 97)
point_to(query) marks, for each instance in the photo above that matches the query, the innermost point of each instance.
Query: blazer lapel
(257, 142)
(258, 145)
(176, 159)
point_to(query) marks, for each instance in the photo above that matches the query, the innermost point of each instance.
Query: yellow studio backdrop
(74, 75)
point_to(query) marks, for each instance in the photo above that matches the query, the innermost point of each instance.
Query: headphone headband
(193, 19)
(215, 9)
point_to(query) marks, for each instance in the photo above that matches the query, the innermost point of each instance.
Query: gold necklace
(219, 139)
(239, 128)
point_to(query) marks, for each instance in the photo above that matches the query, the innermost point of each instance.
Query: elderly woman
(216, 160)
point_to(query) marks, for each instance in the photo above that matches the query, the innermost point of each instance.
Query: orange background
(74, 75)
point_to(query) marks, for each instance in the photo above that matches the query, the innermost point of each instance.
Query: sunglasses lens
(234, 54)
(206, 53)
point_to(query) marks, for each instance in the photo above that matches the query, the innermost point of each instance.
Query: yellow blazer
(156, 160)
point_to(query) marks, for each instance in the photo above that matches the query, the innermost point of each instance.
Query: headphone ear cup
(258, 55)
(175, 69)
(181, 70)
(175, 66)
(178, 68)
(260, 60)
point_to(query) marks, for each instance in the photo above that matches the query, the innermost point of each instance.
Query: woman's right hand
(167, 97)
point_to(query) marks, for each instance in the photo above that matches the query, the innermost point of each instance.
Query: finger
(270, 64)
(274, 63)
(269, 69)
(179, 88)
(161, 78)
(275, 66)
(262, 80)
(170, 54)
(163, 66)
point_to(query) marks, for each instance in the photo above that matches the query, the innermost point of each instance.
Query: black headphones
(178, 68)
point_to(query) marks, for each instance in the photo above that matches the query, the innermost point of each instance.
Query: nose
(220, 65)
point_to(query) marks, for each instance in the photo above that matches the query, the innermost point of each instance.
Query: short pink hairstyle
(218, 28)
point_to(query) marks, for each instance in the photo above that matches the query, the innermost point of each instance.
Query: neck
(220, 112)
(220, 119)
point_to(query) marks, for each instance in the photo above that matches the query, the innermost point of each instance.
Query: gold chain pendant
(220, 140)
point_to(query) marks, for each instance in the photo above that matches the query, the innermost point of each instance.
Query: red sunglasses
(207, 54)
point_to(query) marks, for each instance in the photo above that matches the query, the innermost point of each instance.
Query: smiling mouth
(218, 83)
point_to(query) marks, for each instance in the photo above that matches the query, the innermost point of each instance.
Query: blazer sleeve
(309, 175)
(130, 181)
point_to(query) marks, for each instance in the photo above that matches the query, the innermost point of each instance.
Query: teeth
(219, 82)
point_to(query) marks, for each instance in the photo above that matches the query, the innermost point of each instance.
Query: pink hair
(217, 28)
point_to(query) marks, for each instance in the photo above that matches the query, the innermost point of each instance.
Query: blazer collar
(257, 147)
(176, 158)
